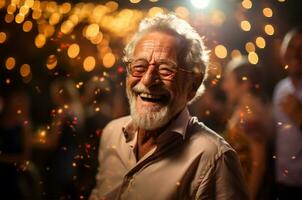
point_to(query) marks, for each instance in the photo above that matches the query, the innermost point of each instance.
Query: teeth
(151, 96)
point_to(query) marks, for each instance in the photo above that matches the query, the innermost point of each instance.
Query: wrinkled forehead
(157, 45)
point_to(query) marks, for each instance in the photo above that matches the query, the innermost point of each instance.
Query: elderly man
(160, 152)
(288, 114)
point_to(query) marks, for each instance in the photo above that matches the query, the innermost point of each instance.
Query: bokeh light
(253, 58)
(260, 42)
(245, 25)
(73, 50)
(108, 60)
(247, 4)
(269, 29)
(2, 37)
(25, 70)
(89, 63)
(10, 63)
(267, 12)
(221, 51)
(51, 62)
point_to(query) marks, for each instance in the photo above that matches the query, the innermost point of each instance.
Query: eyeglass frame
(175, 66)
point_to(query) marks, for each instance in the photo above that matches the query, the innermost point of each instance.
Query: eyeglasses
(166, 69)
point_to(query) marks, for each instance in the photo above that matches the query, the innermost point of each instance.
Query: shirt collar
(178, 125)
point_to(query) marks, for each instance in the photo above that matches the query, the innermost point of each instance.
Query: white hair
(196, 56)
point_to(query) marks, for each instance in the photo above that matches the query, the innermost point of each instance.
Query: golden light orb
(108, 60)
(89, 63)
(2, 37)
(250, 47)
(269, 29)
(10, 63)
(260, 42)
(92, 30)
(245, 25)
(73, 50)
(221, 51)
(253, 58)
(25, 70)
(51, 62)
(27, 26)
(247, 4)
(40, 40)
(267, 12)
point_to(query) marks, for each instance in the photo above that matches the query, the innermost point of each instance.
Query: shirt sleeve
(224, 180)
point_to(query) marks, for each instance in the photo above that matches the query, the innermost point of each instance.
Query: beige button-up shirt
(190, 161)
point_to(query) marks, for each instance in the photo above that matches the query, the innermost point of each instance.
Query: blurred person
(97, 100)
(160, 151)
(63, 140)
(288, 114)
(15, 133)
(250, 127)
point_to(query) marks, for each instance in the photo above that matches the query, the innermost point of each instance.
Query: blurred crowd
(58, 160)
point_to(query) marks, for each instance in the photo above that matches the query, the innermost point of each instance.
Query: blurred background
(62, 77)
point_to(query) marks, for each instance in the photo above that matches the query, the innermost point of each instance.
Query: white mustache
(141, 88)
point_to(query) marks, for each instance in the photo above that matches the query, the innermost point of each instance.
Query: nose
(151, 77)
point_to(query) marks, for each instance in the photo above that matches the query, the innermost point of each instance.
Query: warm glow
(245, 25)
(29, 3)
(249, 47)
(112, 5)
(10, 63)
(67, 26)
(9, 18)
(73, 50)
(54, 18)
(108, 60)
(2, 37)
(154, 11)
(221, 51)
(135, 1)
(247, 4)
(253, 58)
(24, 10)
(269, 29)
(25, 70)
(235, 54)
(267, 12)
(51, 62)
(11, 8)
(36, 14)
(182, 12)
(40, 40)
(65, 8)
(19, 18)
(97, 39)
(89, 64)
(260, 42)
(27, 26)
(92, 30)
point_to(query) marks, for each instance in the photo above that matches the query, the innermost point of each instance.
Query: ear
(195, 84)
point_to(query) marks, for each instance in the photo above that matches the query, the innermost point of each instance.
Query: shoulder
(209, 143)
(115, 127)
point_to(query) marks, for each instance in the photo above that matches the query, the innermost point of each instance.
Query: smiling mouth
(153, 98)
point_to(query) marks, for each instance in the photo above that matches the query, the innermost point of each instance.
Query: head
(64, 91)
(291, 52)
(173, 58)
(241, 78)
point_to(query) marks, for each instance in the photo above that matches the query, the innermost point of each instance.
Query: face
(153, 101)
(231, 87)
(293, 56)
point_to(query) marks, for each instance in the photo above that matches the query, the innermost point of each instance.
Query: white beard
(148, 118)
